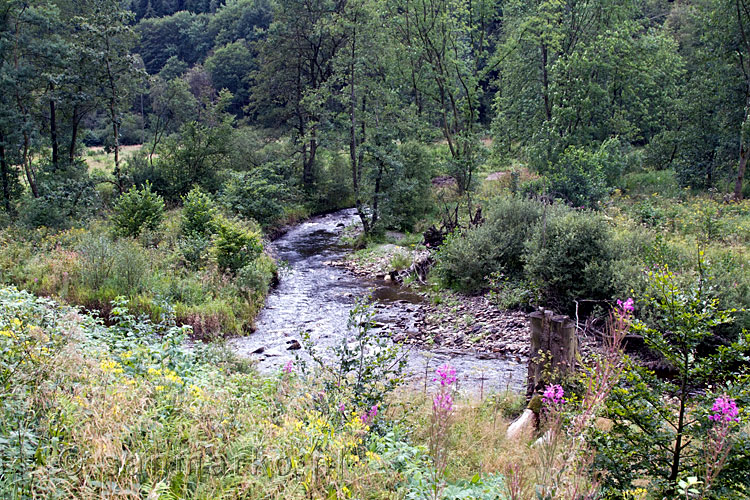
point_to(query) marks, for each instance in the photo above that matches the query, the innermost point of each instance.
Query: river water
(316, 297)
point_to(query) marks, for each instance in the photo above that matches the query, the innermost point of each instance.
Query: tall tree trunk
(545, 84)
(740, 173)
(5, 175)
(353, 157)
(116, 134)
(73, 135)
(53, 129)
(308, 173)
(30, 177)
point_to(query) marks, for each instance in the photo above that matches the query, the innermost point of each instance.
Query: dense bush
(467, 259)
(67, 197)
(583, 177)
(198, 214)
(260, 194)
(569, 257)
(236, 246)
(137, 209)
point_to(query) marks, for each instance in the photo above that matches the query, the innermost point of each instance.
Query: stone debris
(456, 323)
(523, 427)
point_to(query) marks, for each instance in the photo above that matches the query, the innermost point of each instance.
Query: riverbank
(444, 321)
(314, 298)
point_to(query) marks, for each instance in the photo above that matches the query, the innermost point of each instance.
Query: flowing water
(315, 297)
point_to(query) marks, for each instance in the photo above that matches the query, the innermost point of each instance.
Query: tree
(172, 105)
(295, 61)
(230, 67)
(183, 35)
(449, 44)
(580, 73)
(111, 41)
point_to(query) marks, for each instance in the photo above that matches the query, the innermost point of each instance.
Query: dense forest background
(328, 103)
(502, 156)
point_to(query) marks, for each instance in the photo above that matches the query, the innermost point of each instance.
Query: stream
(314, 296)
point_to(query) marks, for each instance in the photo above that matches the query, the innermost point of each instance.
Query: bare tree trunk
(353, 157)
(545, 84)
(53, 129)
(740, 173)
(27, 165)
(73, 135)
(5, 175)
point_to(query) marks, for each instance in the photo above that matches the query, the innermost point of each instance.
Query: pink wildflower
(553, 395)
(342, 408)
(442, 402)
(288, 367)
(446, 375)
(370, 415)
(626, 307)
(725, 409)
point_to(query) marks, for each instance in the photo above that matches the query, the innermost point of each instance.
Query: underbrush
(217, 288)
(92, 411)
(529, 254)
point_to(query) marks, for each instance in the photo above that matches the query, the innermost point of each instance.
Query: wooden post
(553, 349)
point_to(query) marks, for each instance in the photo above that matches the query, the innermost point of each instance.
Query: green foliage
(466, 259)
(198, 214)
(655, 418)
(137, 209)
(407, 197)
(194, 156)
(230, 67)
(259, 194)
(569, 257)
(583, 178)
(236, 246)
(66, 198)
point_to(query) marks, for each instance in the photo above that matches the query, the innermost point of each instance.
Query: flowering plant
(442, 409)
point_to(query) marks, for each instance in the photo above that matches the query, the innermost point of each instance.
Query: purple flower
(553, 395)
(446, 375)
(342, 408)
(288, 367)
(725, 409)
(370, 415)
(442, 402)
(626, 307)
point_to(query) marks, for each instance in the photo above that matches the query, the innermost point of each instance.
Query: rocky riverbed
(446, 321)
(315, 294)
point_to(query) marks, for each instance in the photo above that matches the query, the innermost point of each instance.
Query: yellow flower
(111, 366)
(7, 333)
(159, 387)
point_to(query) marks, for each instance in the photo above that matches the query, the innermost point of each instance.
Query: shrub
(584, 177)
(659, 422)
(569, 257)
(137, 209)
(66, 197)
(198, 213)
(236, 246)
(466, 260)
(259, 194)
(408, 186)
(119, 266)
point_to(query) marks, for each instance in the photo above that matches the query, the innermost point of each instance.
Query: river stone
(523, 427)
(293, 345)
